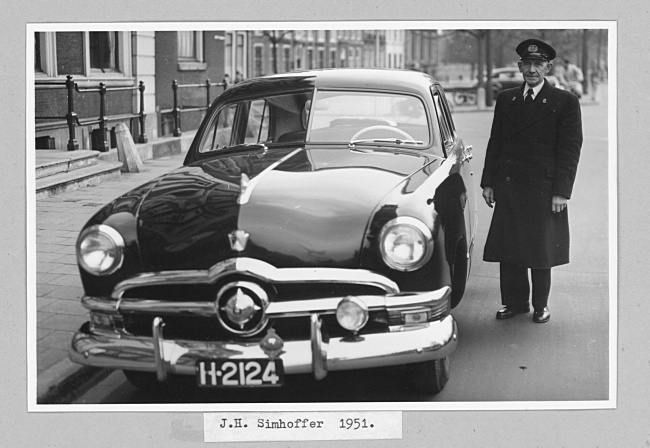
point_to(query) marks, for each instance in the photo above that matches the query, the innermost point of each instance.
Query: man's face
(534, 70)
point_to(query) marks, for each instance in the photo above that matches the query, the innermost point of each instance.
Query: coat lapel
(540, 109)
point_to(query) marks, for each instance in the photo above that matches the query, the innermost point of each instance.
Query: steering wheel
(381, 127)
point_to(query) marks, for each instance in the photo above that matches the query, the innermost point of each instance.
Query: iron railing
(72, 119)
(179, 109)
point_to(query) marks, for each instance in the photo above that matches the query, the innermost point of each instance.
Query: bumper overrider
(420, 326)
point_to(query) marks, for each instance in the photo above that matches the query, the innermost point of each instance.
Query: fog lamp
(352, 313)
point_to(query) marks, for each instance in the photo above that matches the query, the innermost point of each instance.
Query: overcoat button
(508, 179)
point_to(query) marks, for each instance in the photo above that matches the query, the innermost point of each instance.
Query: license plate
(239, 372)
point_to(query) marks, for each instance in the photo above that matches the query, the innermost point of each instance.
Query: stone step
(77, 178)
(49, 163)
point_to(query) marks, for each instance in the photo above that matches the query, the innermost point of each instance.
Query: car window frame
(445, 120)
(431, 135)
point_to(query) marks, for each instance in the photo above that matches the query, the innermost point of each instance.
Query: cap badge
(532, 48)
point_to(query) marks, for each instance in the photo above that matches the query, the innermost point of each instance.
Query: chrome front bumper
(406, 342)
(429, 341)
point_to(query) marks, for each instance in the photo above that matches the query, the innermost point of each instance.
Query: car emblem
(238, 240)
(272, 344)
(241, 308)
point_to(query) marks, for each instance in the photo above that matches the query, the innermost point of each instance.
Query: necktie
(529, 96)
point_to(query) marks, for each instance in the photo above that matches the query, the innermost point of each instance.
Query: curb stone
(66, 381)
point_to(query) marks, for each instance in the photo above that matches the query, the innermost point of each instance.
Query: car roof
(349, 78)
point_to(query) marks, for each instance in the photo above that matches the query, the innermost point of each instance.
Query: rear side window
(270, 119)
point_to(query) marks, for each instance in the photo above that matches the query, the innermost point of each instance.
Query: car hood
(297, 207)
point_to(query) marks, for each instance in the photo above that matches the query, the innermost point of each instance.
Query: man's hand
(488, 195)
(559, 203)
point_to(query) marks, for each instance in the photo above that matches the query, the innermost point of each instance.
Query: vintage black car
(322, 221)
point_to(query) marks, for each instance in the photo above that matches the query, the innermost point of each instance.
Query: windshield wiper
(396, 141)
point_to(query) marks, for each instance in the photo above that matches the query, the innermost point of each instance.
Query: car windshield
(344, 117)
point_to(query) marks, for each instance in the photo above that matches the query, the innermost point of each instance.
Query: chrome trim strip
(318, 348)
(249, 185)
(261, 270)
(158, 349)
(433, 341)
(276, 310)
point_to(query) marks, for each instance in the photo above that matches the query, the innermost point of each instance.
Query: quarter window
(220, 134)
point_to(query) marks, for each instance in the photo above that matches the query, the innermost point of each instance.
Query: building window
(258, 60)
(187, 46)
(70, 53)
(332, 58)
(321, 58)
(228, 56)
(240, 54)
(190, 50)
(104, 54)
(287, 59)
(104, 51)
(310, 59)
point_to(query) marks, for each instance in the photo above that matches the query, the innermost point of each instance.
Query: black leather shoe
(541, 316)
(511, 311)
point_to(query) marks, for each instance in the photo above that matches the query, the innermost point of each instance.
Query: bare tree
(275, 37)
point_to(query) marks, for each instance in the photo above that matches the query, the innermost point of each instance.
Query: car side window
(257, 125)
(220, 134)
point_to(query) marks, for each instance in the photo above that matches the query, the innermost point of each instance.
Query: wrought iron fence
(72, 119)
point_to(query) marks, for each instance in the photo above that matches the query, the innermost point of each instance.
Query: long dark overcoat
(532, 154)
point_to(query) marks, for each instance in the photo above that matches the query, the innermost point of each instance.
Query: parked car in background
(505, 78)
(509, 77)
(322, 221)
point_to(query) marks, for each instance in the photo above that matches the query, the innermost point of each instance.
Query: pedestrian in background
(574, 78)
(530, 167)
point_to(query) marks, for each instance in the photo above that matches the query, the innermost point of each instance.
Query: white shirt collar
(536, 89)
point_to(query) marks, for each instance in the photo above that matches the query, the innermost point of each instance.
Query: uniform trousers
(515, 287)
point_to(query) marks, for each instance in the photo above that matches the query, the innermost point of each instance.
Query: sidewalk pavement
(59, 219)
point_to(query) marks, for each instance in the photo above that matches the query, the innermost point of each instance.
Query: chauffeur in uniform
(530, 166)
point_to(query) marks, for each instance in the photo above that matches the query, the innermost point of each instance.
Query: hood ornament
(238, 240)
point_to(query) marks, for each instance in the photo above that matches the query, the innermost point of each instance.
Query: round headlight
(352, 313)
(406, 244)
(100, 250)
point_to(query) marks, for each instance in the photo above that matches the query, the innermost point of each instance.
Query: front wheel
(430, 376)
